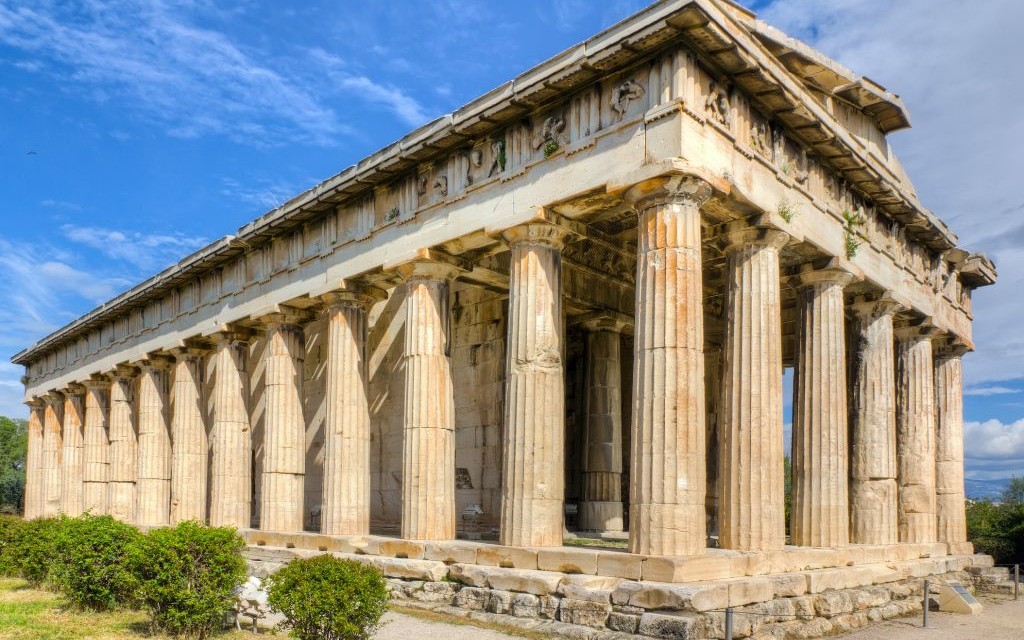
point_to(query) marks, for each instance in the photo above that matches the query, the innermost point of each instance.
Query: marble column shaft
(873, 494)
(533, 478)
(33, 507)
(230, 436)
(73, 444)
(667, 448)
(153, 489)
(713, 412)
(915, 435)
(282, 487)
(820, 508)
(189, 446)
(601, 507)
(752, 510)
(949, 456)
(428, 449)
(346, 508)
(124, 449)
(97, 447)
(53, 455)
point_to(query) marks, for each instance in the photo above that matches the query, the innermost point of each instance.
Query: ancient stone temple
(565, 307)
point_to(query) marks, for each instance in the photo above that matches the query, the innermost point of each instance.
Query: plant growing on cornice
(550, 147)
(502, 158)
(786, 210)
(392, 214)
(850, 223)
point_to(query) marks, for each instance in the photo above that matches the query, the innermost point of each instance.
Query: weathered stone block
(498, 601)
(686, 569)
(540, 583)
(619, 565)
(789, 584)
(677, 627)
(584, 612)
(748, 590)
(413, 569)
(525, 605)
(507, 557)
(833, 603)
(471, 598)
(654, 596)
(450, 552)
(624, 622)
(469, 574)
(589, 588)
(567, 560)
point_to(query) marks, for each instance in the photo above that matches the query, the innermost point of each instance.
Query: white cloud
(406, 108)
(989, 391)
(144, 250)
(993, 449)
(949, 61)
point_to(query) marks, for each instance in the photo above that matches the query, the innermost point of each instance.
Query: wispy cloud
(989, 391)
(147, 251)
(405, 107)
(994, 449)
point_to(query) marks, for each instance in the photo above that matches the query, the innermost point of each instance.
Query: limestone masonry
(566, 306)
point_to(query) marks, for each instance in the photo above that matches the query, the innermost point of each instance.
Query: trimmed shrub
(8, 530)
(90, 564)
(31, 548)
(326, 598)
(185, 577)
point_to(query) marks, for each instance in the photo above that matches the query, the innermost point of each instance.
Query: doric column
(153, 489)
(284, 442)
(873, 429)
(601, 507)
(533, 478)
(73, 451)
(124, 449)
(189, 447)
(34, 460)
(752, 509)
(949, 457)
(346, 507)
(713, 412)
(915, 434)
(820, 511)
(230, 435)
(97, 446)
(428, 451)
(668, 471)
(53, 454)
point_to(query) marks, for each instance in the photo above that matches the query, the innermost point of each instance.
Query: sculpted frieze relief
(717, 106)
(623, 94)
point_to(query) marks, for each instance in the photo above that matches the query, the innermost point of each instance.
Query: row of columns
(88, 456)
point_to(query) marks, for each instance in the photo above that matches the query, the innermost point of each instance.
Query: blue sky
(132, 133)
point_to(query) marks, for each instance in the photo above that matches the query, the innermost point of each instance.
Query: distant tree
(787, 486)
(1014, 492)
(13, 445)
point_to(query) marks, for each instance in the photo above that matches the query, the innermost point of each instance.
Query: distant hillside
(985, 489)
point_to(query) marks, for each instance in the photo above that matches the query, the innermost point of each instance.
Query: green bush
(325, 598)
(8, 530)
(31, 548)
(185, 576)
(89, 567)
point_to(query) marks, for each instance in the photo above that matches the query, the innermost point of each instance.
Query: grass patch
(596, 542)
(35, 614)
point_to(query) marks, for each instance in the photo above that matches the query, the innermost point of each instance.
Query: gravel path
(404, 627)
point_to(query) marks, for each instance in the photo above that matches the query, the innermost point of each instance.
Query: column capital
(603, 321)
(827, 276)
(188, 353)
(915, 333)
(123, 373)
(54, 399)
(96, 382)
(741, 238)
(424, 269)
(684, 189)
(950, 347)
(542, 233)
(230, 337)
(35, 404)
(876, 306)
(155, 362)
(73, 389)
(353, 294)
(283, 316)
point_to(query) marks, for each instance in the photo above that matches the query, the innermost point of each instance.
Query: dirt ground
(1001, 619)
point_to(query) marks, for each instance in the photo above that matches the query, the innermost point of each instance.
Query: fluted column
(949, 457)
(97, 446)
(189, 447)
(428, 450)
(153, 489)
(124, 449)
(820, 511)
(284, 464)
(873, 434)
(713, 412)
(34, 460)
(752, 509)
(346, 508)
(73, 445)
(915, 434)
(53, 454)
(668, 473)
(601, 507)
(230, 435)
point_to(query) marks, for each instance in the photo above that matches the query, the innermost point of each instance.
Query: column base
(542, 523)
(601, 516)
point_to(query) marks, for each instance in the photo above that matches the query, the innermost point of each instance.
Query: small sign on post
(954, 597)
